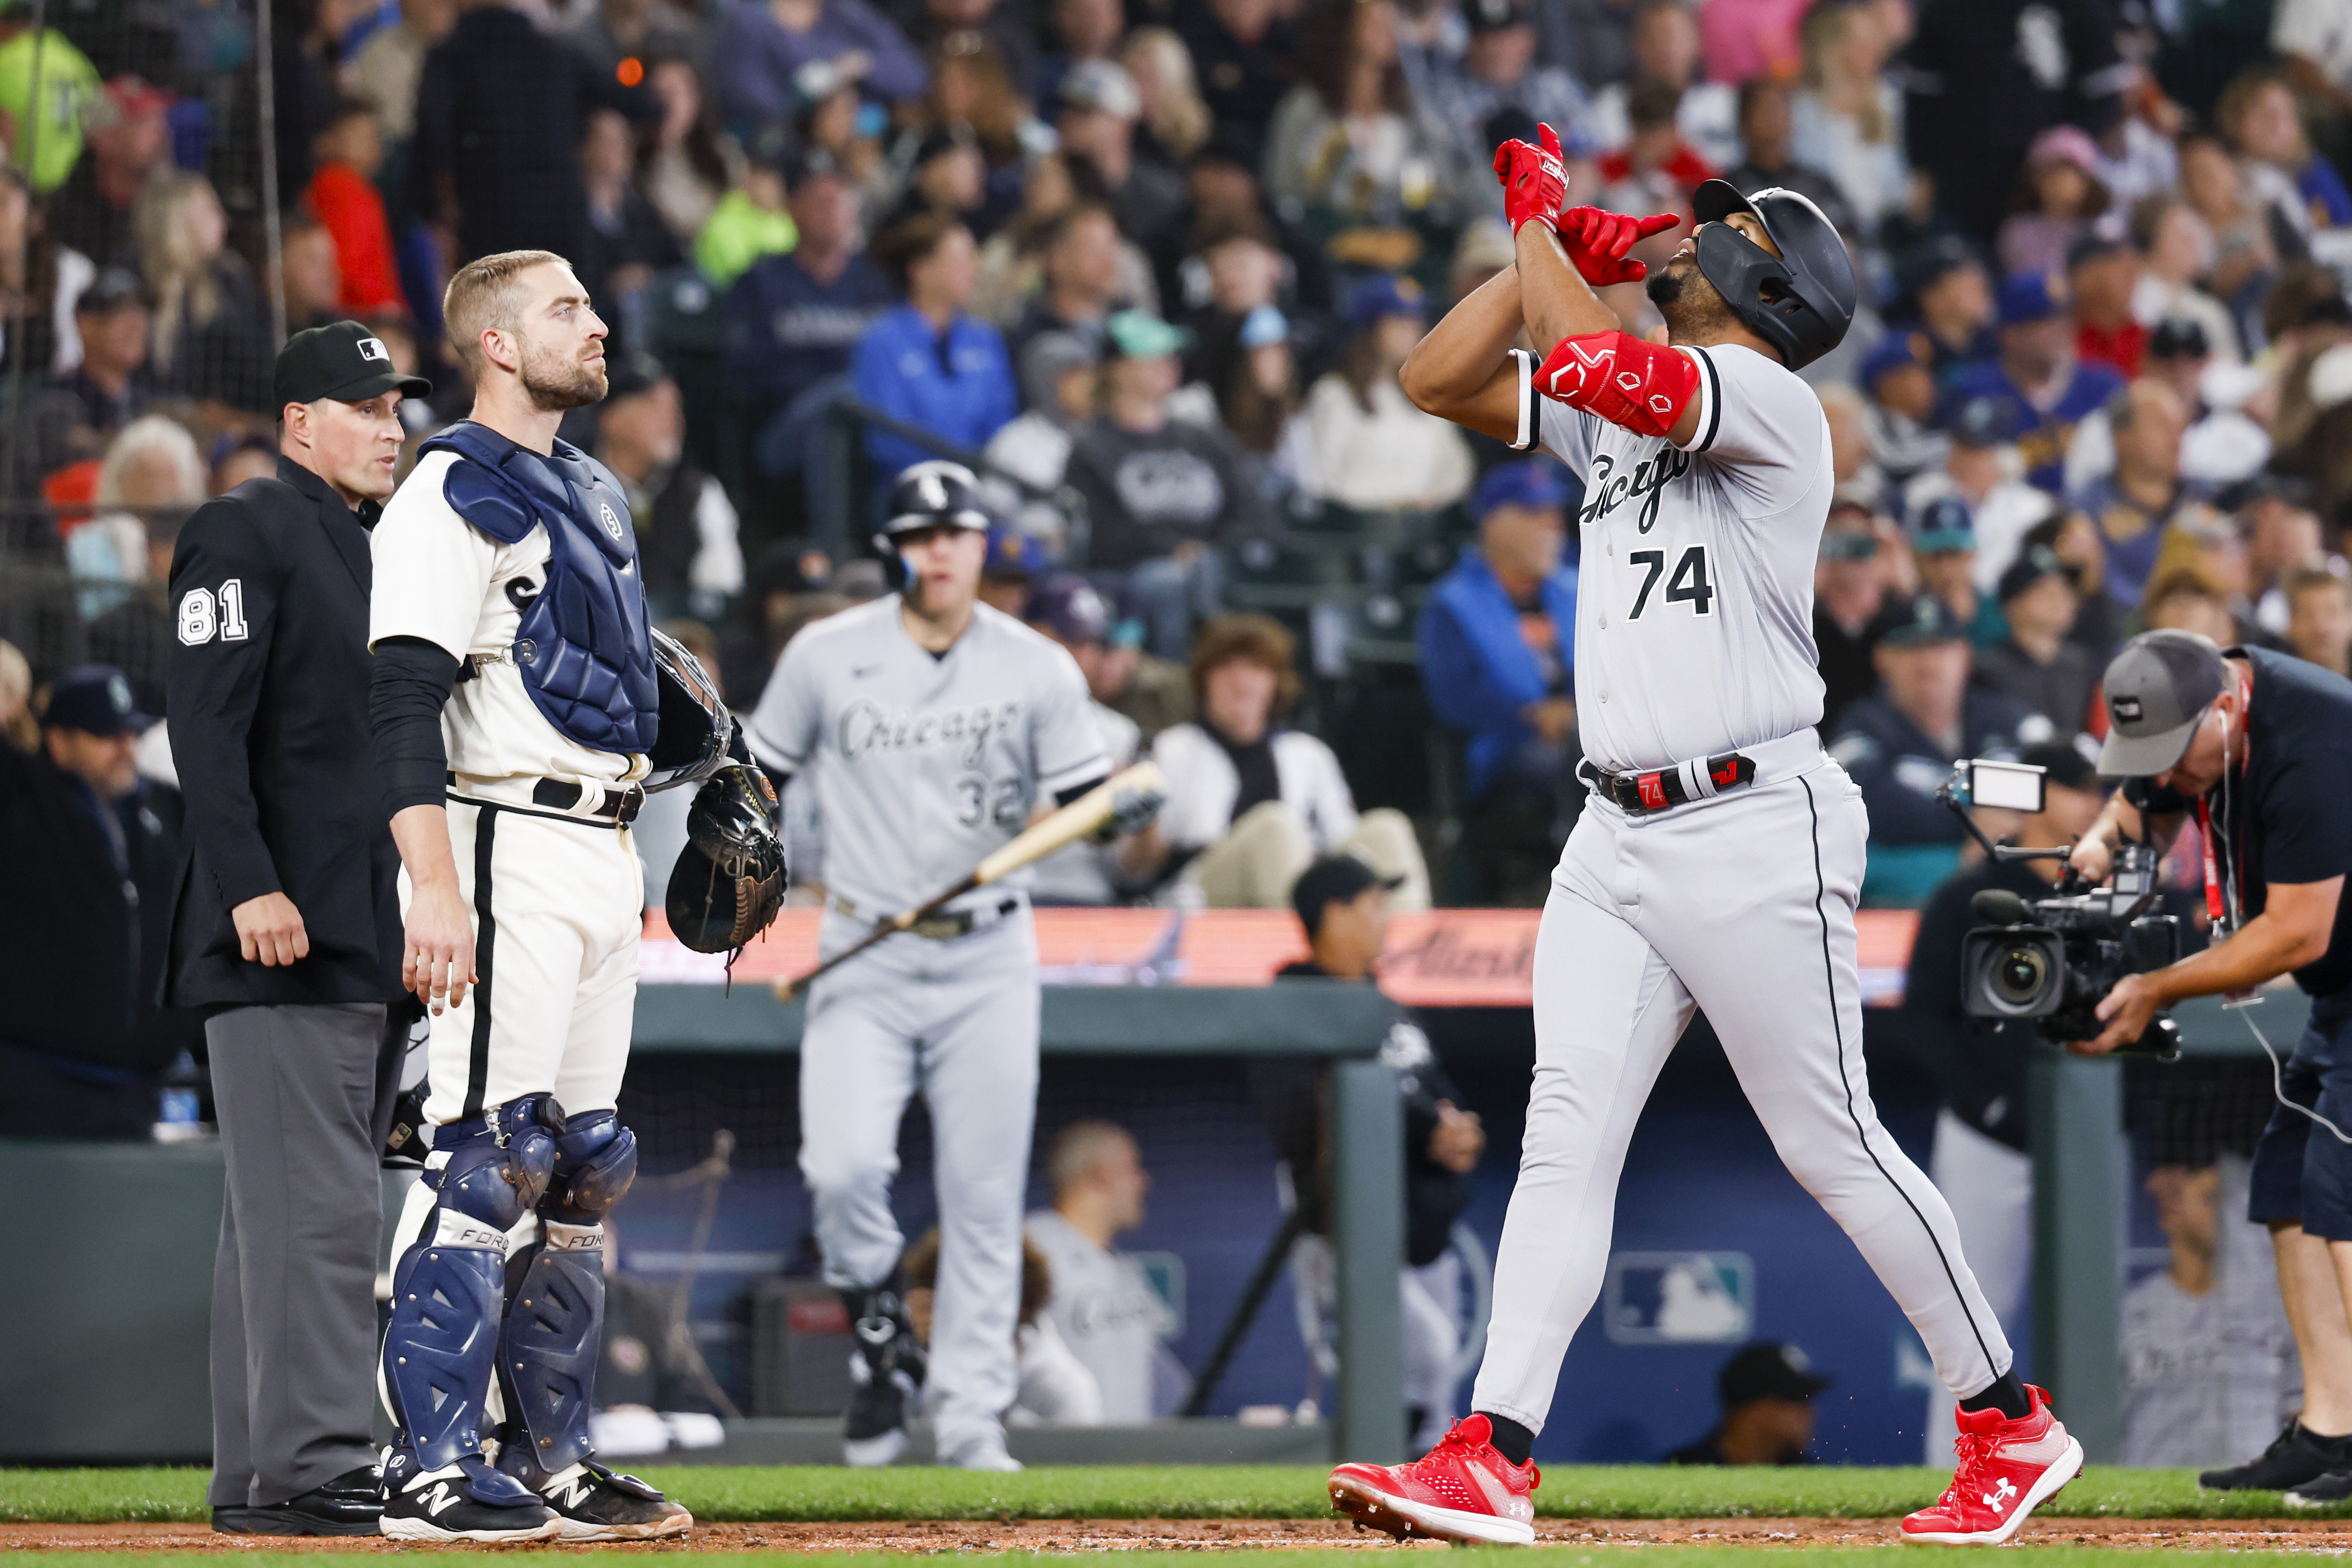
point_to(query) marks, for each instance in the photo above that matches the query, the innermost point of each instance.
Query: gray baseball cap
(2157, 689)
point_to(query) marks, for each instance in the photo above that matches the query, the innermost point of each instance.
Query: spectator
(308, 272)
(1343, 908)
(1060, 383)
(2038, 663)
(1227, 198)
(1850, 589)
(1979, 468)
(2319, 618)
(681, 167)
(935, 26)
(1081, 30)
(1015, 561)
(69, 89)
(947, 175)
(2038, 387)
(2257, 113)
(1902, 392)
(1012, 264)
(1102, 1306)
(1100, 110)
(2188, 601)
(2221, 446)
(343, 197)
(2209, 1363)
(18, 728)
(1900, 744)
(151, 467)
(91, 850)
(1157, 693)
(1950, 300)
(1162, 494)
(1854, 447)
(1346, 145)
(760, 47)
(390, 65)
(1766, 1394)
(2314, 50)
(79, 413)
(1065, 607)
(1080, 273)
(2102, 276)
(2145, 494)
(1944, 546)
(2216, 188)
(1053, 1387)
(39, 280)
(928, 364)
(625, 241)
(972, 92)
(1244, 55)
(1664, 44)
(1654, 152)
(793, 319)
(1174, 122)
(1496, 71)
(1985, 78)
(1981, 1157)
(129, 139)
(1252, 802)
(2059, 194)
(1373, 450)
(1753, 40)
(751, 220)
(1848, 120)
(212, 331)
(1766, 141)
(497, 80)
(1259, 402)
(1236, 268)
(2177, 253)
(2281, 536)
(1498, 642)
(687, 530)
(239, 455)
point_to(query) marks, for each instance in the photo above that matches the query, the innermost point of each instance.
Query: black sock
(1511, 1440)
(2007, 1394)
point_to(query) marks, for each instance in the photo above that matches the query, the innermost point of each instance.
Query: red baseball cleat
(2008, 1469)
(1460, 1490)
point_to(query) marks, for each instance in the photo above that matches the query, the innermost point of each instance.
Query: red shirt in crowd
(348, 205)
(1683, 166)
(2123, 345)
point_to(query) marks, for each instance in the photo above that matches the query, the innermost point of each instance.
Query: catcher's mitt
(730, 879)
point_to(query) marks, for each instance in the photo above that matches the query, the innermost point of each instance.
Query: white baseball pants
(1743, 905)
(958, 1020)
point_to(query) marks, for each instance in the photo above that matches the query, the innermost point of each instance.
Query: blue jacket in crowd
(1478, 672)
(957, 385)
(754, 61)
(786, 331)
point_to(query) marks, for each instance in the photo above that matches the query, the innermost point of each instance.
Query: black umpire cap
(342, 361)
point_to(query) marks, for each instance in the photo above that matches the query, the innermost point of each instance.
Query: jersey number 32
(1688, 585)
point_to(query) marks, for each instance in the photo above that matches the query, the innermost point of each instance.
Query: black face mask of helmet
(1743, 270)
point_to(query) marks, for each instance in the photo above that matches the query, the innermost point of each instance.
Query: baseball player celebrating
(1719, 864)
(514, 701)
(931, 728)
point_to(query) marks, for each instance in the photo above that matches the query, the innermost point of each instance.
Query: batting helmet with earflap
(1800, 301)
(936, 494)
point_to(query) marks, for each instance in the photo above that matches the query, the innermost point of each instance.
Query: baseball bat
(1041, 838)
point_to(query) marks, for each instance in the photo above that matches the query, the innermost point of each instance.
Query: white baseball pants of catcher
(957, 1020)
(1743, 905)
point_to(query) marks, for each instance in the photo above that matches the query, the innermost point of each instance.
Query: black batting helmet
(936, 494)
(1802, 301)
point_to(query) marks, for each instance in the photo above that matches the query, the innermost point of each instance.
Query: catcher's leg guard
(555, 1302)
(486, 1173)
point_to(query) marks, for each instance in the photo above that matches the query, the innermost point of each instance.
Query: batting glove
(1597, 243)
(1535, 179)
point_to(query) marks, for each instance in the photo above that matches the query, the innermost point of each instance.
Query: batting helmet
(936, 494)
(1802, 301)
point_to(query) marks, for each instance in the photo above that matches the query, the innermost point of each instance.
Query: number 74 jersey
(1694, 590)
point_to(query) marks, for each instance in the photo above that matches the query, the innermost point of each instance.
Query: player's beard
(557, 382)
(1687, 302)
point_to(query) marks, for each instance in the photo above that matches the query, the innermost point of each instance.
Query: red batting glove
(1535, 179)
(1597, 243)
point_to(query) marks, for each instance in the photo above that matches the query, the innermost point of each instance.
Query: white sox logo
(1607, 490)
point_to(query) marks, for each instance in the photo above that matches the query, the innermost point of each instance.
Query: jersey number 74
(1688, 585)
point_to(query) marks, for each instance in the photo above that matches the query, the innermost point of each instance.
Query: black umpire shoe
(2322, 1491)
(594, 1503)
(2296, 1456)
(348, 1505)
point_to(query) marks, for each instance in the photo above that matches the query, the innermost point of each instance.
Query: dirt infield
(1117, 1535)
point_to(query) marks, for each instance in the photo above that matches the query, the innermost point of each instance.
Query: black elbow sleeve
(410, 682)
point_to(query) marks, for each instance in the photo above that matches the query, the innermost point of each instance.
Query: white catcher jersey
(1695, 591)
(922, 763)
(438, 577)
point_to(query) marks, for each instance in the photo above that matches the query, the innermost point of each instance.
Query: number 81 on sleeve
(203, 613)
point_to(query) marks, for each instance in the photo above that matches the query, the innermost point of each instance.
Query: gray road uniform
(920, 765)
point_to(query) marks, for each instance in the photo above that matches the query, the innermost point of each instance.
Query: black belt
(563, 794)
(959, 922)
(1642, 794)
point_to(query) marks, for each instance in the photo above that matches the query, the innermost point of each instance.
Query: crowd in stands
(1153, 265)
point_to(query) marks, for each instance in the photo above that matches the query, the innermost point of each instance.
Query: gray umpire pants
(304, 1094)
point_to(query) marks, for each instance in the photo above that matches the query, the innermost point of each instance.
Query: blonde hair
(1824, 30)
(1179, 119)
(484, 294)
(151, 437)
(187, 293)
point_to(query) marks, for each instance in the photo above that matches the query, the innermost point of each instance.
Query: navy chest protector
(584, 645)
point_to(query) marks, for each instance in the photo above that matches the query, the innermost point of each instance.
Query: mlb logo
(1680, 1298)
(373, 349)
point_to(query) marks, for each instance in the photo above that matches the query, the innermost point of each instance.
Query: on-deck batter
(514, 700)
(930, 727)
(1721, 857)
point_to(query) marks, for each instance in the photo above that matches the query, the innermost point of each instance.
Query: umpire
(286, 931)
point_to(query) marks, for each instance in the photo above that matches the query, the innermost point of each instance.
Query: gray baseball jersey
(922, 763)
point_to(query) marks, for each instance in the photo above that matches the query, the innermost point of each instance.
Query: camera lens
(2018, 975)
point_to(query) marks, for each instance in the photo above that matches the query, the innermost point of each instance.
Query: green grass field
(830, 1495)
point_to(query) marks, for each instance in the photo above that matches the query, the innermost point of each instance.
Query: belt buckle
(633, 801)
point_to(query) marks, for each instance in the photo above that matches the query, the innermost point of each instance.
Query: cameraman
(2258, 745)
(1980, 1161)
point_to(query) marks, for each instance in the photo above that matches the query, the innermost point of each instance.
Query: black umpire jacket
(268, 705)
